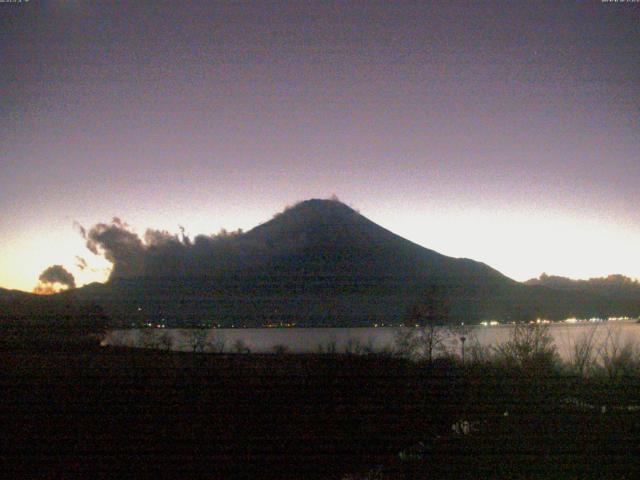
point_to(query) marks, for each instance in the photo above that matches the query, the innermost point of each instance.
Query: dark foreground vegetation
(74, 409)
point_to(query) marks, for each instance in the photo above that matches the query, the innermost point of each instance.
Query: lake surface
(310, 340)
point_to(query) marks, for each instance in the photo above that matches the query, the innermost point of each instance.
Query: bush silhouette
(529, 349)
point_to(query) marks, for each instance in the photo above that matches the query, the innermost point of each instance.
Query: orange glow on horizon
(48, 289)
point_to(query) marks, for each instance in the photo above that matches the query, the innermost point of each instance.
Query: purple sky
(504, 132)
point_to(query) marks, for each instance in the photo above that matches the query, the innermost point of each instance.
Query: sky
(505, 132)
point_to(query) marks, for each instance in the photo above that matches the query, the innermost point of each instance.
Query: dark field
(83, 411)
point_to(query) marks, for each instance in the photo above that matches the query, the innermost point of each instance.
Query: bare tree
(353, 346)
(583, 355)
(148, 338)
(405, 342)
(166, 341)
(530, 348)
(330, 347)
(431, 318)
(196, 338)
(431, 341)
(476, 352)
(240, 346)
(216, 342)
(616, 358)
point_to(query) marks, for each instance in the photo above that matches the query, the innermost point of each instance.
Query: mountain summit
(326, 237)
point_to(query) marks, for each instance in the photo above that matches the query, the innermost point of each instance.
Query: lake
(311, 340)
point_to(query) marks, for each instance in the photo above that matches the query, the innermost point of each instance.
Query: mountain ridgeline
(321, 263)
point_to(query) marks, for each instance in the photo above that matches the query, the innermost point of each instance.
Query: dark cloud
(55, 274)
(119, 245)
(158, 252)
(157, 238)
(58, 274)
(81, 230)
(81, 263)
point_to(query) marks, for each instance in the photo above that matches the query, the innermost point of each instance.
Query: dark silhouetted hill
(617, 289)
(19, 310)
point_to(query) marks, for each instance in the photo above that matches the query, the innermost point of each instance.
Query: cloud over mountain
(157, 253)
(55, 274)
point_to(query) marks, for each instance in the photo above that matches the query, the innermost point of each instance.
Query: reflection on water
(310, 340)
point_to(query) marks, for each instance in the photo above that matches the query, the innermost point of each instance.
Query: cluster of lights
(485, 323)
(490, 323)
(591, 320)
(541, 321)
(155, 325)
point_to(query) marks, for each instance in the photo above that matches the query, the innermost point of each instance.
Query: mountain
(319, 263)
(63, 311)
(613, 284)
(9, 295)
